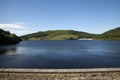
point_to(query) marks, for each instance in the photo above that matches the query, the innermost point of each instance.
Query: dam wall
(60, 74)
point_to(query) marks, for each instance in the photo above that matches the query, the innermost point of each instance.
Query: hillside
(57, 35)
(113, 34)
(7, 38)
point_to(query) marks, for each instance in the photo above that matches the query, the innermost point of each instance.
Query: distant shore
(59, 74)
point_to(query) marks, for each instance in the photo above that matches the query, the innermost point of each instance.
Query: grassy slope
(113, 34)
(57, 35)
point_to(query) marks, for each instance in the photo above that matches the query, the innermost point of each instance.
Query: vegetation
(113, 34)
(58, 35)
(7, 38)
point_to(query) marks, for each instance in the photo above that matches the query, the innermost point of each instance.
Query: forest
(7, 38)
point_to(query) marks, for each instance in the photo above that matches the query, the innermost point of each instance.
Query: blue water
(61, 54)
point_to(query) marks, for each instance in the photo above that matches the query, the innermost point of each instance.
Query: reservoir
(61, 54)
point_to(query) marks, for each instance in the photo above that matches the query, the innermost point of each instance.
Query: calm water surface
(61, 54)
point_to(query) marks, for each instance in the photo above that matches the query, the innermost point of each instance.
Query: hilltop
(113, 34)
(57, 35)
(7, 38)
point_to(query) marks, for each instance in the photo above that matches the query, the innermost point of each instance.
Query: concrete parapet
(60, 74)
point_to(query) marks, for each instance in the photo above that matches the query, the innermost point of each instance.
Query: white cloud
(18, 32)
(20, 23)
(17, 28)
(17, 25)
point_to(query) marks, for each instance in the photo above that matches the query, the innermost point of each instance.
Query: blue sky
(28, 16)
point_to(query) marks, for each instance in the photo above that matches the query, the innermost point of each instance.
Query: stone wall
(69, 74)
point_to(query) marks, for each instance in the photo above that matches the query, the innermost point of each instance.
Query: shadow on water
(5, 50)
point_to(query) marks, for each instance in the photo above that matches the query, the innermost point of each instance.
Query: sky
(28, 16)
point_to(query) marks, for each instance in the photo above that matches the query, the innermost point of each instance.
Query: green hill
(113, 34)
(57, 35)
(7, 38)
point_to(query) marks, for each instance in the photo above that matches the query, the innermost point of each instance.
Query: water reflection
(61, 54)
(8, 51)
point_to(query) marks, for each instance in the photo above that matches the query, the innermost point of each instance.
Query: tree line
(7, 38)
